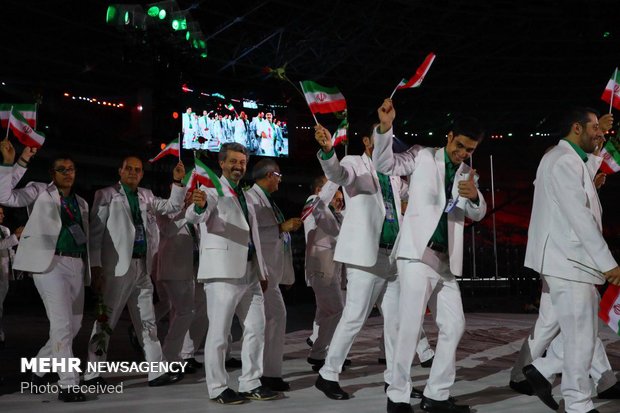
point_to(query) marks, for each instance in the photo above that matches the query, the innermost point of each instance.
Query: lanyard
(67, 209)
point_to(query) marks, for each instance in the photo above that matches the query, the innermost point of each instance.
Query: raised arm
(384, 159)
(10, 175)
(177, 194)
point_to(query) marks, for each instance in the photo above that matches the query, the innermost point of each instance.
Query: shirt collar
(264, 191)
(582, 154)
(449, 164)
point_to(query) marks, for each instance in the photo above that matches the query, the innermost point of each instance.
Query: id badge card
(451, 204)
(140, 237)
(77, 233)
(389, 212)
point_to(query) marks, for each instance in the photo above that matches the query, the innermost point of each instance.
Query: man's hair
(131, 156)
(317, 182)
(61, 157)
(263, 167)
(578, 115)
(470, 127)
(234, 147)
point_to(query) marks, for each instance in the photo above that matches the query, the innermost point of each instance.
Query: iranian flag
(230, 107)
(340, 136)
(611, 157)
(418, 77)
(28, 111)
(173, 148)
(24, 132)
(609, 310)
(203, 175)
(309, 206)
(611, 94)
(323, 99)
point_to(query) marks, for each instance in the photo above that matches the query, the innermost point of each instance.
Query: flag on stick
(229, 106)
(611, 157)
(609, 310)
(28, 111)
(203, 175)
(340, 136)
(322, 99)
(418, 77)
(24, 132)
(173, 148)
(309, 206)
(611, 94)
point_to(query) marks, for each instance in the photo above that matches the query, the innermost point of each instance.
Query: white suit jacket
(321, 230)
(358, 242)
(112, 230)
(6, 252)
(427, 198)
(38, 241)
(565, 237)
(175, 256)
(275, 246)
(225, 235)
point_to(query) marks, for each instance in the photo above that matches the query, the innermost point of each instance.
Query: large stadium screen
(262, 128)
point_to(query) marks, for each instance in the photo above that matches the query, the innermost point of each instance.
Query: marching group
(222, 251)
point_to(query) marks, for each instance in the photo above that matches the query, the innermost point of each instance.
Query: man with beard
(233, 271)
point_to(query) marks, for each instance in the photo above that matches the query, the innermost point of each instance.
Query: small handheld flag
(418, 77)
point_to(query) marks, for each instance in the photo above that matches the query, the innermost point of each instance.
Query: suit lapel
(121, 193)
(265, 201)
(441, 169)
(371, 169)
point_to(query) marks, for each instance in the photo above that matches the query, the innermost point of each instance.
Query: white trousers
(135, 290)
(601, 371)
(329, 306)
(315, 327)
(225, 298)
(574, 305)
(195, 336)
(180, 294)
(365, 286)
(427, 282)
(275, 331)
(423, 349)
(540, 336)
(62, 290)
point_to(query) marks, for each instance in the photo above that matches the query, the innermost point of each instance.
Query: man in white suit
(124, 239)
(177, 264)
(233, 268)
(323, 274)
(429, 253)
(566, 246)
(54, 248)
(7, 254)
(275, 238)
(367, 235)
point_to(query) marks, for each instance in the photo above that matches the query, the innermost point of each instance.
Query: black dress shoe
(261, 393)
(193, 363)
(233, 363)
(2, 344)
(47, 378)
(593, 411)
(229, 396)
(416, 394)
(68, 396)
(331, 389)
(381, 361)
(540, 386)
(522, 387)
(309, 342)
(398, 407)
(611, 393)
(275, 383)
(443, 406)
(165, 379)
(347, 362)
(97, 381)
(428, 363)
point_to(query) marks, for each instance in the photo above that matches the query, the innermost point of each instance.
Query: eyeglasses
(278, 174)
(62, 170)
